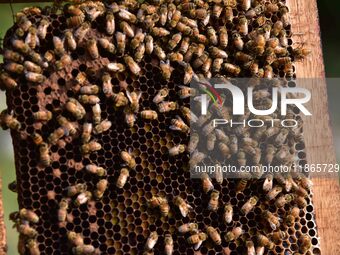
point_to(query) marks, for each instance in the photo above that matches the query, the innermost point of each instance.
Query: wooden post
(3, 243)
(318, 133)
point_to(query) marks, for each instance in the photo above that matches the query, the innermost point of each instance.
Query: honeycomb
(121, 221)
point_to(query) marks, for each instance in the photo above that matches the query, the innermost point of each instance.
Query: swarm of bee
(193, 40)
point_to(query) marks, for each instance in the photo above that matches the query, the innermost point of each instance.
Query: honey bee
(90, 89)
(149, 44)
(161, 95)
(102, 127)
(214, 235)
(186, 92)
(206, 183)
(115, 67)
(127, 29)
(128, 159)
(110, 25)
(64, 61)
(92, 48)
(81, 32)
(213, 203)
(90, 147)
(23, 22)
(193, 142)
(45, 158)
(32, 67)
(241, 185)
(260, 250)
(86, 134)
(277, 28)
(232, 69)
(107, 45)
(57, 135)
(304, 181)
(138, 39)
(85, 249)
(93, 169)
(300, 201)
(233, 234)
(133, 66)
(197, 239)
(176, 15)
(159, 52)
(12, 186)
(166, 106)
(62, 211)
(139, 54)
(283, 200)
(305, 243)
(292, 216)
(33, 247)
(28, 215)
(249, 205)
(268, 183)
(149, 115)
(183, 207)
(75, 238)
(151, 241)
(76, 189)
(224, 149)
(9, 121)
(166, 69)
(278, 236)
(7, 81)
(75, 20)
(237, 41)
(163, 14)
(283, 38)
(101, 188)
(58, 46)
(250, 248)
(130, 116)
(20, 46)
(176, 150)
(127, 16)
(34, 77)
(300, 53)
(120, 99)
(121, 42)
(13, 56)
(273, 220)
(27, 231)
(179, 125)
(228, 213)
(83, 198)
(188, 227)
(272, 194)
(169, 244)
(196, 158)
(89, 99)
(14, 68)
(264, 241)
(122, 178)
(32, 39)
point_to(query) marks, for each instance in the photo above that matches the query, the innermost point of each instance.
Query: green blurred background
(330, 27)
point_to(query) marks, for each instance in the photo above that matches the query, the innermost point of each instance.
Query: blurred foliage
(330, 24)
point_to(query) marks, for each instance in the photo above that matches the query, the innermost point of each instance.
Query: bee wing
(183, 211)
(273, 226)
(194, 117)
(198, 245)
(128, 94)
(172, 127)
(139, 95)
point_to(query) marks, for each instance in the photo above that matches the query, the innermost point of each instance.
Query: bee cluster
(95, 93)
